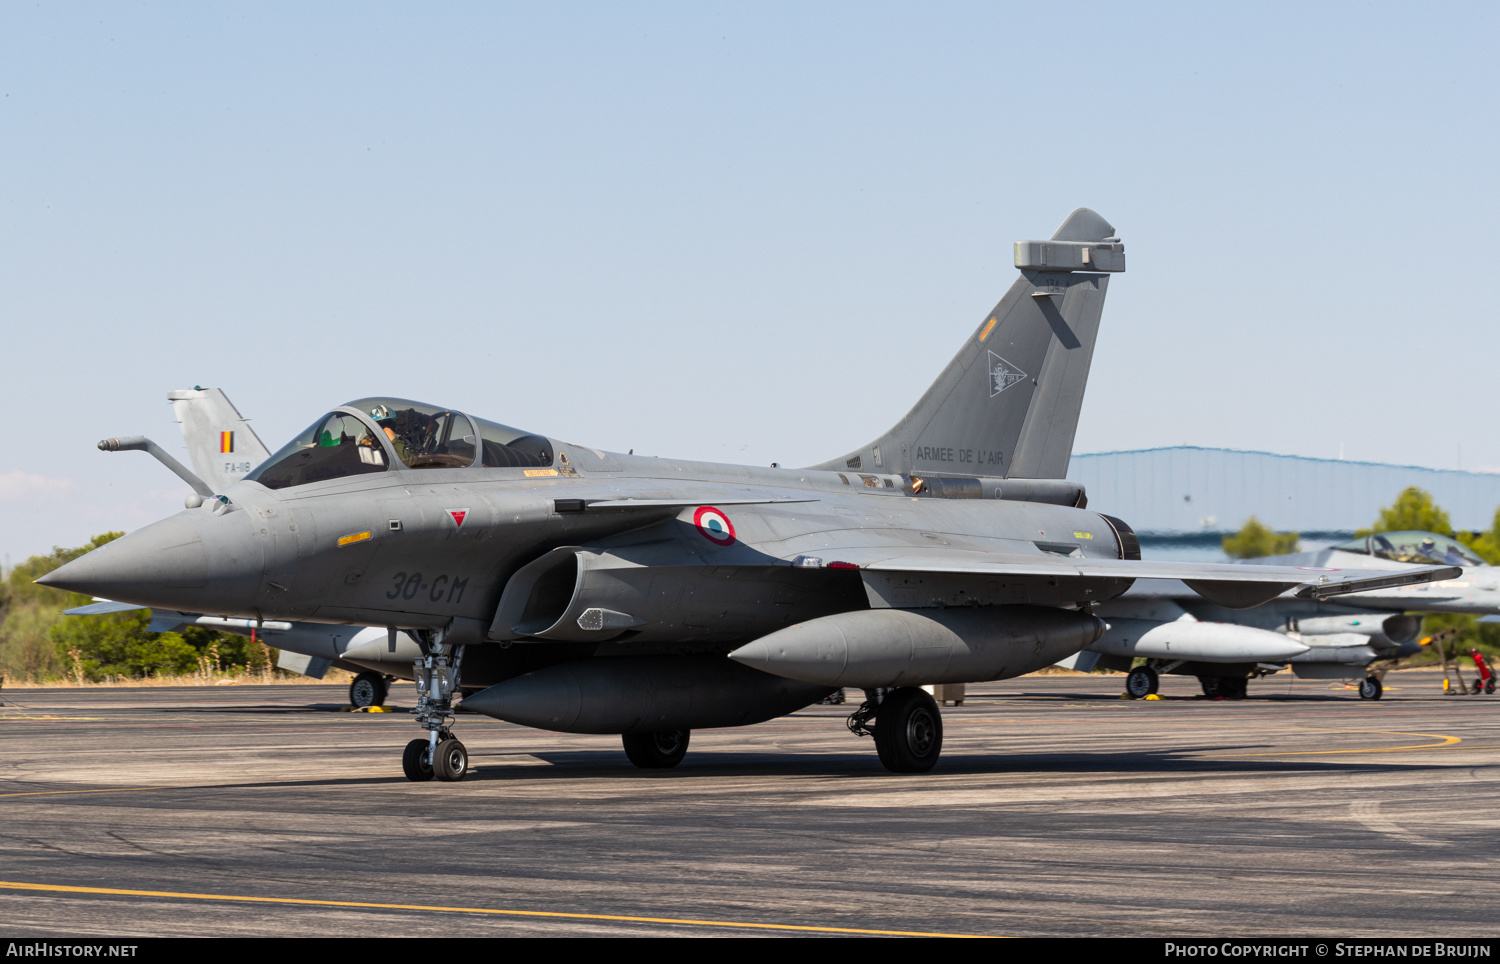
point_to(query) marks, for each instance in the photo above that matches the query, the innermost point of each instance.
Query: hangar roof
(1188, 489)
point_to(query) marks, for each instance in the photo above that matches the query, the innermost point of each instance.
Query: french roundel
(714, 525)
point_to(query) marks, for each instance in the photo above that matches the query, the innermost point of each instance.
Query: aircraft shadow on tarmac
(608, 764)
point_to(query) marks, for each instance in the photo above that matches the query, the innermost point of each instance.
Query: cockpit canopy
(1426, 548)
(420, 436)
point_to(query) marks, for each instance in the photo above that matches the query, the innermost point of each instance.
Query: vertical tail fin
(1007, 404)
(220, 442)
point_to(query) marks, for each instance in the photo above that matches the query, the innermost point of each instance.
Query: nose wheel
(415, 762)
(439, 755)
(450, 761)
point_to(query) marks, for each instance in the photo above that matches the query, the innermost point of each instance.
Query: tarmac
(1057, 809)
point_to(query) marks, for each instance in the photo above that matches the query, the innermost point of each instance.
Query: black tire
(1213, 686)
(1371, 688)
(1489, 685)
(656, 751)
(1141, 683)
(1235, 688)
(368, 689)
(414, 762)
(451, 761)
(908, 731)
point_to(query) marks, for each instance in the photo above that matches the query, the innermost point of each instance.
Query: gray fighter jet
(1355, 638)
(568, 588)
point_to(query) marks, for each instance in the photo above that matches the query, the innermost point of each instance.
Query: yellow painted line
(356, 537)
(9, 716)
(989, 326)
(1446, 741)
(119, 892)
(50, 793)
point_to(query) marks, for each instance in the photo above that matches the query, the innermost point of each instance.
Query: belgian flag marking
(226, 443)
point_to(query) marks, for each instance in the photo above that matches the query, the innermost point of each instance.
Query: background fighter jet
(573, 589)
(220, 442)
(1354, 638)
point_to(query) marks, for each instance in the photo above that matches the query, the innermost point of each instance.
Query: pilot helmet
(380, 412)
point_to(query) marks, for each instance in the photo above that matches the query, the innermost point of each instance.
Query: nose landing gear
(437, 675)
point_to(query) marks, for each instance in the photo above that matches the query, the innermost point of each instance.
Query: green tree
(1255, 539)
(38, 642)
(118, 644)
(1486, 544)
(1413, 509)
(28, 612)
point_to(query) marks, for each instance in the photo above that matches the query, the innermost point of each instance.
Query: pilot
(384, 417)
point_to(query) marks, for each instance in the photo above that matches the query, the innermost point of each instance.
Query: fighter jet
(1356, 638)
(569, 588)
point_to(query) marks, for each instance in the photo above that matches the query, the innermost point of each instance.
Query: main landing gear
(1371, 688)
(369, 689)
(657, 751)
(1225, 687)
(1141, 683)
(439, 755)
(907, 727)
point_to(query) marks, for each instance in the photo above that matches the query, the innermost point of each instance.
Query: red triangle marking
(458, 516)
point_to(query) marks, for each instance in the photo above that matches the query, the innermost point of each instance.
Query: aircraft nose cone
(168, 554)
(196, 560)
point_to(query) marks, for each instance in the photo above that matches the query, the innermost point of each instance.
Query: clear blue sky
(745, 232)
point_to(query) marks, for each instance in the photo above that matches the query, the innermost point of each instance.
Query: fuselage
(701, 557)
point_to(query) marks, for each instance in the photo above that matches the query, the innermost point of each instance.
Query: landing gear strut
(908, 728)
(437, 673)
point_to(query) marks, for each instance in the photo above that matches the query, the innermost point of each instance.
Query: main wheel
(451, 761)
(1370, 688)
(414, 761)
(1212, 686)
(908, 731)
(1234, 687)
(1141, 682)
(368, 689)
(656, 751)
